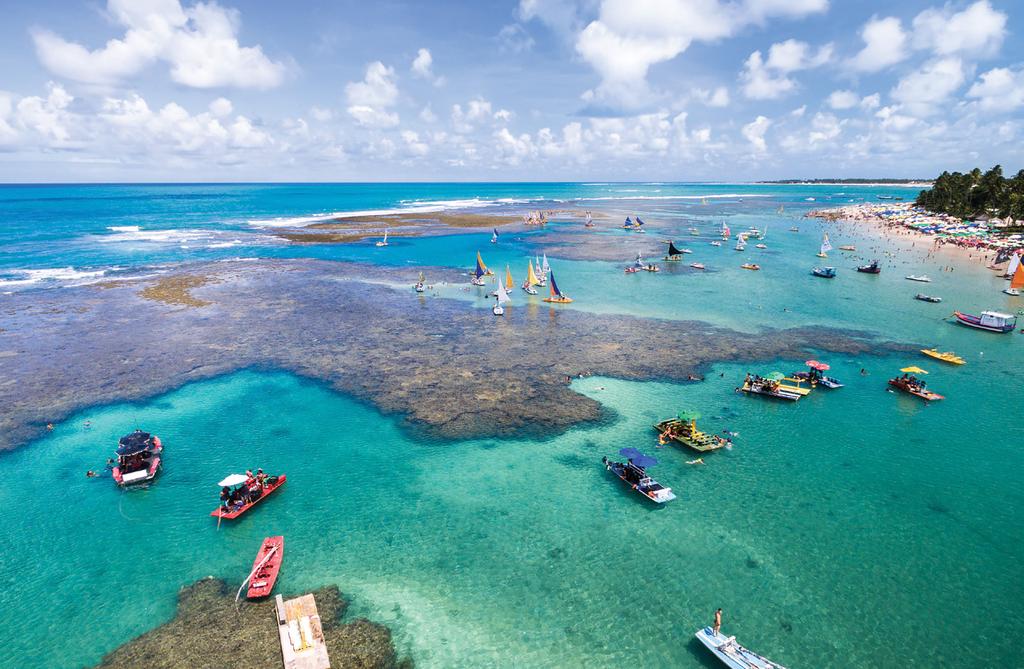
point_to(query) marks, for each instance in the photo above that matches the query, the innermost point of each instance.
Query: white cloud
(414, 144)
(978, 30)
(869, 102)
(49, 117)
(221, 107)
(768, 79)
(999, 89)
(199, 43)
(824, 128)
(422, 67)
(629, 36)
(755, 131)
(919, 92)
(843, 99)
(369, 100)
(885, 44)
(478, 111)
(321, 114)
(514, 39)
(716, 98)
(427, 115)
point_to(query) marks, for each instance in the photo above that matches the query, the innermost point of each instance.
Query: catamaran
(556, 295)
(531, 280)
(384, 242)
(826, 246)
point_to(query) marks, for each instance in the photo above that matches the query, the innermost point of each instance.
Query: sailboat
(556, 295)
(494, 236)
(628, 224)
(542, 279)
(826, 246)
(509, 284)
(1011, 269)
(674, 254)
(781, 210)
(725, 231)
(501, 299)
(384, 242)
(638, 226)
(479, 273)
(531, 280)
(1017, 280)
(419, 284)
(545, 269)
(590, 221)
(480, 263)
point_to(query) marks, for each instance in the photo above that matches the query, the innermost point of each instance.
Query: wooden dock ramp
(302, 637)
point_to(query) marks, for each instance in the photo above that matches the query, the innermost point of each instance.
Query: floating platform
(687, 434)
(302, 638)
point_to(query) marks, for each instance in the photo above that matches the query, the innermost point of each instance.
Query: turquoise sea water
(856, 528)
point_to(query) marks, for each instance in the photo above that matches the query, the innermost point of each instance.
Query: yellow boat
(796, 386)
(948, 356)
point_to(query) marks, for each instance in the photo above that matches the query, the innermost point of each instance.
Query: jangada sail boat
(542, 277)
(556, 295)
(1017, 280)
(501, 299)
(479, 273)
(419, 284)
(674, 254)
(494, 236)
(480, 263)
(826, 246)
(531, 280)
(509, 283)
(384, 242)
(590, 221)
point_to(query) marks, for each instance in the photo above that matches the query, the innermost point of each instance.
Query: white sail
(545, 266)
(589, 217)
(385, 235)
(503, 297)
(1014, 263)
(826, 245)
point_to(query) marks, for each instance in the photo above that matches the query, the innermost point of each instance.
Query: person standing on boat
(718, 621)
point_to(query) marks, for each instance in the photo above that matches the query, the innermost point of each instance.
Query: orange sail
(508, 279)
(1018, 277)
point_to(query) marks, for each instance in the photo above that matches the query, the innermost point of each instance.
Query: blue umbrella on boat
(638, 458)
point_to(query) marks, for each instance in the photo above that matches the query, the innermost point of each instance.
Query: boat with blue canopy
(633, 472)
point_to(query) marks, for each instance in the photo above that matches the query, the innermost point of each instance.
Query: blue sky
(150, 90)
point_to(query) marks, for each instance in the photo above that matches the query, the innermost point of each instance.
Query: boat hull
(926, 395)
(617, 469)
(262, 582)
(731, 654)
(219, 513)
(975, 322)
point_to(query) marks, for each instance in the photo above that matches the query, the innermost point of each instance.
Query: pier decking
(302, 637)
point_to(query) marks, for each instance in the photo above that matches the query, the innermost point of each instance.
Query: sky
(535, 90)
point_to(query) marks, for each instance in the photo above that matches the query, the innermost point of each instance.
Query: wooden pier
(302, 637)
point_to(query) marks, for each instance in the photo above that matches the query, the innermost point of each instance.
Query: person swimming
(698, 461)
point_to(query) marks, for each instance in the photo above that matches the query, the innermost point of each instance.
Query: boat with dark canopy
(871, 268)
(138, 458)
(633, 472)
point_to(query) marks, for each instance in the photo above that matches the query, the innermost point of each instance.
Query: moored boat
(947, 356)
(420, 284)
(757, 385)
(731, 653)
(848, 247)
(139, 457)
(697, 265)
(992, 321)
(923, 278)
(384, 242)
(716, 243)
(683, 430)
(674, 254)
(927, 298)
(912, 385)
(824, 272)
(265, 568)
(633, 473)
(871, 268)
(240, 492)
(751, 266)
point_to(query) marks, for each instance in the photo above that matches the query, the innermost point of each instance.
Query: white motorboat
(922, 278)
(731, 653)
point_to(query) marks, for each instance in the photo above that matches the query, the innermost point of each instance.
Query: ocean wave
(68, 276)
(407, 207)
(136, 234)
(124, 228)
(716, 196)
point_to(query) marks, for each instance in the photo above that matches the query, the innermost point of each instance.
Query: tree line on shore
(974, 193)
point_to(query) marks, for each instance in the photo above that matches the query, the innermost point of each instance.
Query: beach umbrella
(913, 370)
(638, 458)
(820, 366)
(688, 415)
(776, 376)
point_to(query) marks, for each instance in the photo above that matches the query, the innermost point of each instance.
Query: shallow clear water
(836, 527)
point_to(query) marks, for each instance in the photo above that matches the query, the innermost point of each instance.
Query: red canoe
(236, 512)
(265, 567)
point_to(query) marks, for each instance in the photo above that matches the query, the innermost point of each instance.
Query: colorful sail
(555, 293)
(508, 279)
(628, 223)
(1018, 276)
(725, 231)
(531, 277)
(481, 266)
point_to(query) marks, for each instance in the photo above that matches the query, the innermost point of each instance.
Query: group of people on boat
(246, 493)
(757, 381)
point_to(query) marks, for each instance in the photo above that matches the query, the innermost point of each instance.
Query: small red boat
(914, 387)
(265, 568)
(240, 493)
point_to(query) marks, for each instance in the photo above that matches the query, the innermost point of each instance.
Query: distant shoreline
(849, 182)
